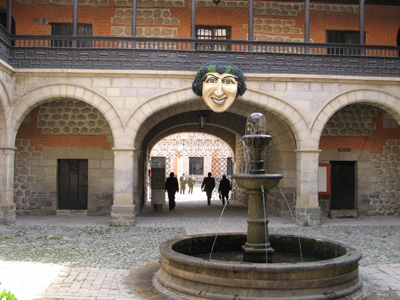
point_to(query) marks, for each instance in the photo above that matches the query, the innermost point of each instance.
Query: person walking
(191, 183)
(183, 182)
(208, 185)
(172, 187)
(224, 188)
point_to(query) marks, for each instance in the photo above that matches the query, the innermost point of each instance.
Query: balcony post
(251, 22)
(362, 26)
(9, 15)
(362, 22)
(75, 23)
(134, 14)
(193, 23)
(307, 24)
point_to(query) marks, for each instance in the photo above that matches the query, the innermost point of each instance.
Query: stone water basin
(332, 272)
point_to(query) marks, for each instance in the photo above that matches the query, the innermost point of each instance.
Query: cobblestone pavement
(80, 257)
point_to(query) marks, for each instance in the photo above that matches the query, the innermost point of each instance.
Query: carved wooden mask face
(219, 91)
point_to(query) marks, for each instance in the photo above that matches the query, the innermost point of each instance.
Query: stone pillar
(308, 212)
(123, 208)
(7, 206)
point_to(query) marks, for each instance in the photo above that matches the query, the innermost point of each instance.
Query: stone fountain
(256, 265)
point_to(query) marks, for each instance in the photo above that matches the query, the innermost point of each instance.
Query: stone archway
(377, 98)
(26, 102)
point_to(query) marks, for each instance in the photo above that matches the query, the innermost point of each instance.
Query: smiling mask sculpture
(219, 84)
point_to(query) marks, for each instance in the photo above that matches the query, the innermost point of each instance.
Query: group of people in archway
(208, 185)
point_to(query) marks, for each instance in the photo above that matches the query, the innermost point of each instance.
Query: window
(343, 37)
(205, 32)
(229, 166)
(65, 29)
(196, 165)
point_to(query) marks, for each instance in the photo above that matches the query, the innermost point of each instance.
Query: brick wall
(273, 21)
(363, 130)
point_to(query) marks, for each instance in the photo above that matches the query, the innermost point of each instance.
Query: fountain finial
(256, 124)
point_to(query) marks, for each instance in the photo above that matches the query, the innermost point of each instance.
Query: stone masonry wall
(62, 130)
(386, 197)
(373, 137)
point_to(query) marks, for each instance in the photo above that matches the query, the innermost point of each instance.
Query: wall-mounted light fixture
(216, 2)
(202, 119)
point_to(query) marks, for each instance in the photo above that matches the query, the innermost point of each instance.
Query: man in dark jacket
(172, 187)
(224, 188)
(208, 186)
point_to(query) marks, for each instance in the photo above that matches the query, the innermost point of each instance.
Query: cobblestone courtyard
(79, 257)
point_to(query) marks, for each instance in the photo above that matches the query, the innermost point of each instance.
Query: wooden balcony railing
(125, 53)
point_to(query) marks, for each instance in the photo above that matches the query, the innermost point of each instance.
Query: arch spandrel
(377, 98)
(26, 102)
(250, 102)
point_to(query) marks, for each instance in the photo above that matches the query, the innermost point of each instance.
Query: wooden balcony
(116, 53)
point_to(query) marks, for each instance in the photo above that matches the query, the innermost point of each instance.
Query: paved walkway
(31, 279)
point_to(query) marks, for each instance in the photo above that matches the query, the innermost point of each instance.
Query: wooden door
(343, 185)
(72, 184)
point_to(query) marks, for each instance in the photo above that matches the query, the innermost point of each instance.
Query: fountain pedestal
(257, 247)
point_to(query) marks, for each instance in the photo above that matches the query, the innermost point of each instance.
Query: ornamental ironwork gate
(191, 147)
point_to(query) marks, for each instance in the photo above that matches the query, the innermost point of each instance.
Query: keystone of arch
(374, 97)
(26, 102)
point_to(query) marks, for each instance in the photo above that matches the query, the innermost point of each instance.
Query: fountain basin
(255, 181)
(334, 274)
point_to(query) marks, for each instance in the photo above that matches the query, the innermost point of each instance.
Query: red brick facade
(381, 22)
(38, 140)
(373, 143)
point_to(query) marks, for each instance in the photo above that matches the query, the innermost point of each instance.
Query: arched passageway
(229, 127)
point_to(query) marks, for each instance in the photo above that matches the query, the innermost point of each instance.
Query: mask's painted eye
(228, 81)
(211, 80)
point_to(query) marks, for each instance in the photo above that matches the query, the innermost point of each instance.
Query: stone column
(7, 206)
(123, 208)
(307, 208)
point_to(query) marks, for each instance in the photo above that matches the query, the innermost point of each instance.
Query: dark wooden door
(72, 184)
(343, 184)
